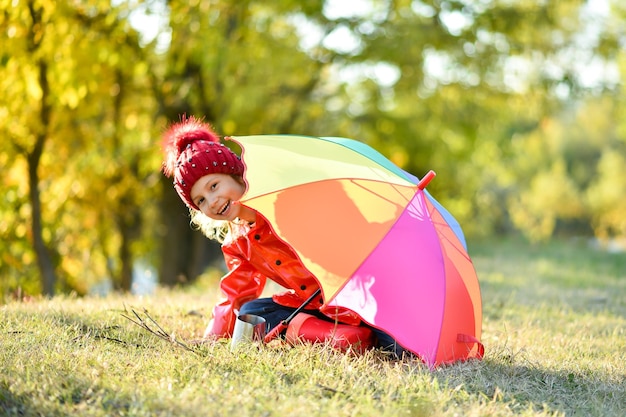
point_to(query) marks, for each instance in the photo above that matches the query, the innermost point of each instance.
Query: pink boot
(307, 328)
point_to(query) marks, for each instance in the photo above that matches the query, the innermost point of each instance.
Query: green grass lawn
(554, 331)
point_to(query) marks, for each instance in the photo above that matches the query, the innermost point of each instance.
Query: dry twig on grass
(159, 332)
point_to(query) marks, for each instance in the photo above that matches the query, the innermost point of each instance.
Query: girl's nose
(213, 201)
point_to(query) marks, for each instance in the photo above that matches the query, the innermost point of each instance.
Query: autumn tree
(78, 153)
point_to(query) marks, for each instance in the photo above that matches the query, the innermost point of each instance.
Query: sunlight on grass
(554, 320)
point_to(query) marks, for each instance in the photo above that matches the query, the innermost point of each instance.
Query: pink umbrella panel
(429, 305)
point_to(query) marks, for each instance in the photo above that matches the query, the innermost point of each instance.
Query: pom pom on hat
(191, 151)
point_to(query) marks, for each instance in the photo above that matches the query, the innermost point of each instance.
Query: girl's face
(217, 196)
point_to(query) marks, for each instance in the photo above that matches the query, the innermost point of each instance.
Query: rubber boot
(307, 328)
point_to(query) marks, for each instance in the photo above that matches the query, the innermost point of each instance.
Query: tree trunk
(125, 280)
(44, 260)
(176, 238)
(185, 253)
(204, 252)
(129, 224)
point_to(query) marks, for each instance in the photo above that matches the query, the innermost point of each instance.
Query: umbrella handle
(284, 323)
(427, 178)
(275, 332)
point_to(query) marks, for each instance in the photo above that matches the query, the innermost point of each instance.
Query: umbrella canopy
(378, 243)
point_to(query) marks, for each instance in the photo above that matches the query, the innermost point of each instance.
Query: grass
(554, 330)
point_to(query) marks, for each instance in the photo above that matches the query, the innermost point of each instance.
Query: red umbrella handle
(275, 332)
(283, 324)
(427, 178)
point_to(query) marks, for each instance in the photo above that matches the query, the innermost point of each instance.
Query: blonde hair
(213, 229)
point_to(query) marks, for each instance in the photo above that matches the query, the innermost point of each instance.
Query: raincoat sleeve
(241, 284)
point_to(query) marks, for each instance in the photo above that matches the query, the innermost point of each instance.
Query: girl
(209, 178)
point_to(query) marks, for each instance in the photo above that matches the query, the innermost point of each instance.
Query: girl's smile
(217, 196)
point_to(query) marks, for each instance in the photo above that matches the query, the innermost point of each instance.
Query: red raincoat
(251, 259)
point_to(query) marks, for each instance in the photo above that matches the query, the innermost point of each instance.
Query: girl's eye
(213, 185)
(200, 201)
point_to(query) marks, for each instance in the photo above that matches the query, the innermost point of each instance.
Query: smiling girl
(209, 178)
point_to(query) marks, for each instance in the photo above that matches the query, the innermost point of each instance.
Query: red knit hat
(191, 151)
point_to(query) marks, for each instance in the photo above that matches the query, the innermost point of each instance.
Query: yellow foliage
(33, 90)
(229, 127)
(399, 156)
(131, 121)
(551, 195)
(607, 196)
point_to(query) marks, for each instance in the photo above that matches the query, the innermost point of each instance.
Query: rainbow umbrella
(377, 241)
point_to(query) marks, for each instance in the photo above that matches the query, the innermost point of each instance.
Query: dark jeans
(274, 313)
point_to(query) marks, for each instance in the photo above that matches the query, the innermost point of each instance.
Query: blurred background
(518, 106)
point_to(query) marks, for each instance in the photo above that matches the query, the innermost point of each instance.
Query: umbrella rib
(394, 186)
(442, 236)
